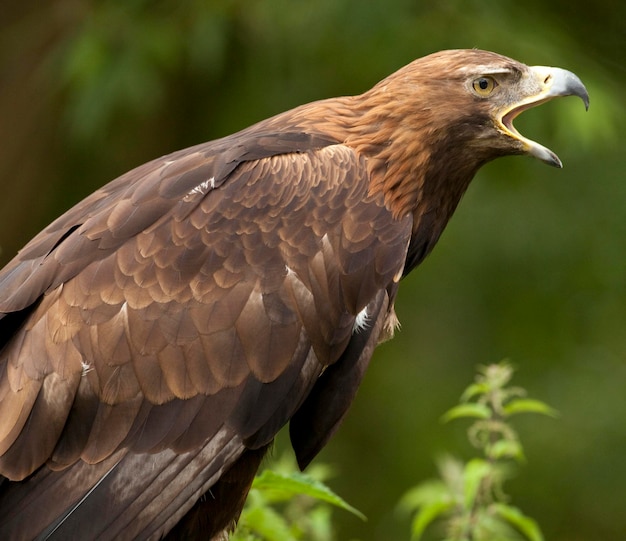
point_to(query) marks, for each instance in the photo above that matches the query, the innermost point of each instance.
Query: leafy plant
(469, 498)
(286, 505)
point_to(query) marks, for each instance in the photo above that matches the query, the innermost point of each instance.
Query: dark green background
(531, 266)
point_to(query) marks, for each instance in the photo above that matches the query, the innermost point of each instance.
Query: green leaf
(473, 390)
(285, 486)
(427, 514)
(320, 524)
(515, 517)
(472, 410)
(428, 492)
(265, 521)
(474, 473)
(528, 405)
(506, 449)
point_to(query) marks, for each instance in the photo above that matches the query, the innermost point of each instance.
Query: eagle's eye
(483, 86)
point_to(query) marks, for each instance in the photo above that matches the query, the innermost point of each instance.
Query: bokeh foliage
(532, 266)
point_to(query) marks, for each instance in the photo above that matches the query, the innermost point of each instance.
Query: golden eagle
(156, 337)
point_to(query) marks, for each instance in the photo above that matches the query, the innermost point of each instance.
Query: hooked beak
(549, 83)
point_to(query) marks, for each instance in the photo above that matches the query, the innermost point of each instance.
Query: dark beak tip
(579, 89)
(584, 95)
(566, 83)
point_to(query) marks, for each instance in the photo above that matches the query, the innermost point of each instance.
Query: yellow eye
(483, 86)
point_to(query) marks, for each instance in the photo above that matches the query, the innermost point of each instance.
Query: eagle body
(156, 337)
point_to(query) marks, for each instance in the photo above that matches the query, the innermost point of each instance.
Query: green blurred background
(531, 266)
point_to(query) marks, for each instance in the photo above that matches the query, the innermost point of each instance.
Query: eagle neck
(417, 161)
(421, 165)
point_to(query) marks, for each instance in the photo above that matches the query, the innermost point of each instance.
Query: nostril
(547, 79)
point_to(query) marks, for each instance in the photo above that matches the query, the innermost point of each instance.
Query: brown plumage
(157, 335)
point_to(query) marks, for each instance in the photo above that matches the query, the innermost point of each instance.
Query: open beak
(551, 83)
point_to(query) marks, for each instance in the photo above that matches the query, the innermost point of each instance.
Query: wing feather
(14, 412)
(186, 310)
(38, 437)
(77, 427)
(110, 427)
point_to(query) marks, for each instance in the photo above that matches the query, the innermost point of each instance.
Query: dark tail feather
(109, 500)
(213, 513)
